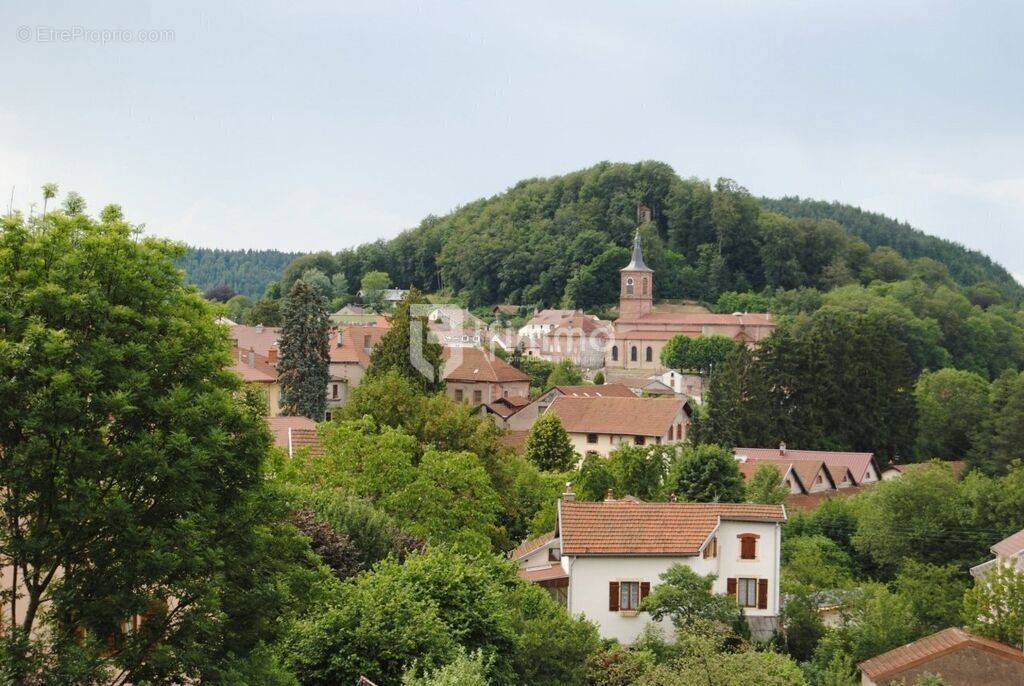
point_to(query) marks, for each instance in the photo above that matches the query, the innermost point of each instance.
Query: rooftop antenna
(10, 205)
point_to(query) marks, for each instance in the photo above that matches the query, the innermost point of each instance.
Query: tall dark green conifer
(393, 350)
(303, 369)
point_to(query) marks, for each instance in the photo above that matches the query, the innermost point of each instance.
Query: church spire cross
(637, 263)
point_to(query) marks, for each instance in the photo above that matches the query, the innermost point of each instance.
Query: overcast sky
(319, 127)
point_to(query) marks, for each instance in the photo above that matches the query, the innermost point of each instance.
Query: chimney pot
(609, 497)
(568, 495)
(782, 448)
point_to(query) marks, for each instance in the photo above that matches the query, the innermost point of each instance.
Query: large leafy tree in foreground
(305, 355)
(129, 464)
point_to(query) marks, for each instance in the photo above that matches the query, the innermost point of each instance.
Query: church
(642, 328)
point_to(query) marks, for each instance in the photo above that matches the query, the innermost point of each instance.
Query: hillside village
(406, 487)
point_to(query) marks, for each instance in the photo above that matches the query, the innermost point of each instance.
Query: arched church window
(632, 354)
(615, 353)
(629, 285)
(644, 285)
(649, 355)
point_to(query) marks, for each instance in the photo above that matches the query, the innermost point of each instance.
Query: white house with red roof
(599, 425)
(1009, 551)
(603, 558)
(845, 468)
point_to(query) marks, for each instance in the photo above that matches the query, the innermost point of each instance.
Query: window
(639, 440)
(458, 395)
(554, 554)
(478, 396)
(632, 354)
(748, 546)
(817, 479)
(644, 282)
(679, 431)
(788, 484)
(334, 391)
(504, 394)
(591, 438)
(615, 353)
(629, 285)
(649, 355)
(711, 549)
(746, 592)
(626, 596)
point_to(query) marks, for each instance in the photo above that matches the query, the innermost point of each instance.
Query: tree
(305, 357)
(464, 670)
(50, 191)
(639, 470)
(815, 562)
(994, 607)
(952, 406)
(599, 379)
(686, 598)
(407, 350)
(265, 312)
(702, 354)
(548, 445)
(131, 464)
(766, 486)
(1003, 433)
(565, 373)
(220, 294)
(706, 474)
(935, 592)
(801, 625)
(74, 204)
(373, 286)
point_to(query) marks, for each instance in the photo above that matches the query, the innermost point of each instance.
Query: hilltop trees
(303, 368)
(130, 466)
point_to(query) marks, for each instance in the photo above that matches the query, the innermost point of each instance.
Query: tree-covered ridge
(562, 239)
(246, 271)
(966, 266)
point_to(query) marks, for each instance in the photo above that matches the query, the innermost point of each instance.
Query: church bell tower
(636, 294)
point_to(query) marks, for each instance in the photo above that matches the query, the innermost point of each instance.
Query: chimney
(259, 328)
(568, 496)
(609, 497)
(673, 498)
(782, 448)
(234, 342)
(272, 355)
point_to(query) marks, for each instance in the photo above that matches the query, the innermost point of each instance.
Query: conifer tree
(303, 369)
(394, 351)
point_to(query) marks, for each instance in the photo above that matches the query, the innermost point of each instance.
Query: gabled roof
(259, 338)
(474, 364)
(507, 406)
(1011, 545)
(699, 319)
(292, 434)
(249, 365)
(925, 650)
(632, 527)
(749, 467)
(611, 390)
(627, 416)
(637, 264)
(348, 344)
(858, 463)
(531, 545)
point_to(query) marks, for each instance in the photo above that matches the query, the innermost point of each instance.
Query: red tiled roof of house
(551, 573)
(249, 365)
(809, 501)
(630, 416)
(514, 438)
(858, 463)
(350, 343)
(280, 425)
(703, 319)
(627, 527)
(531, 545)
(750, 467)
(610, 390)
(1011, 545)
(924, 650)
(259, 338)
(474, 364)
(306, 438)
(959, 467)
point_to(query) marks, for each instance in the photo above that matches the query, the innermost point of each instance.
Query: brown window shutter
(730, 585)
(645, 589)
(613, 596)
(762, 594)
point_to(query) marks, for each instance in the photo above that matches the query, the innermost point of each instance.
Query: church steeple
(636, 294)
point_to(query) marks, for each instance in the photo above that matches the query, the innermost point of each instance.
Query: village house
(957, 657)
(604, 558)
(847, 469)
(683, 383)
(573, 335)
(261, 371)
(1009, 552)
(600, 425)
(294, 435)
(349, 353)
(642, 330)
(525, 416)
(479, 377)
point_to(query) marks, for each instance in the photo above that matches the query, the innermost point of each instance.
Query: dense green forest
(247, 272)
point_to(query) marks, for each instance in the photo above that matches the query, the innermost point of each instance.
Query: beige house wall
(489, 391)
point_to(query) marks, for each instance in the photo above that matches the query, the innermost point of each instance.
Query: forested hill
(563, 239)
(246, 271)
(965, 266)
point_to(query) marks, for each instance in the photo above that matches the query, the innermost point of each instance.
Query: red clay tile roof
(514, 439)
(857, 462)
(959, 467)
(259, 338)
(306, 438)
(809, 501)
(1011, 545)
(611, 390)
(531, 545)
(474, 364)
(251, 366)
(349, 343)
(280, 425)
(924, 650)
(630, 416)
(704, 319)
(627, 527)
(750, 467)
(551, 573)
